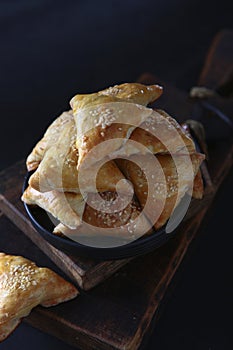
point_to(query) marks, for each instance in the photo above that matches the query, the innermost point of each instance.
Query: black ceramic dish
(40, 220)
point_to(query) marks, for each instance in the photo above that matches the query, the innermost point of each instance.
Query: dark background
(51, 50)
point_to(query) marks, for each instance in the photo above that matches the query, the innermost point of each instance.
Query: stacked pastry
(112, 166)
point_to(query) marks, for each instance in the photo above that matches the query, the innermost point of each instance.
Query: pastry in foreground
(23, 285)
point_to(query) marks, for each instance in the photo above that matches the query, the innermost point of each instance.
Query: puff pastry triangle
(23, 286)
(160, 133)
(58, 167)
(124, 221)
(131, 92)
(167, 186)
(49, 138)
(111, 114)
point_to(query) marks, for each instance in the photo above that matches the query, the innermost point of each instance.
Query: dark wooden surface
(117, 313)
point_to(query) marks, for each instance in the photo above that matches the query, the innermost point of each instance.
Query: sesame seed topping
(19, 277)
(103, 116)
(112, 91)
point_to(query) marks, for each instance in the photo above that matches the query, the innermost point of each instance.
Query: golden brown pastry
(111, 114)
(49, 138)
(123, 219)
(198, 186)
(131, 92)
(104, 135)
(23, 286)
(73, 212)
(58, 168)
(165, 184)
(103, 129)
(161, 133)
(66, 207)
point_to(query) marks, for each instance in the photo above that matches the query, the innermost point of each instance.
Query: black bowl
(41, 222)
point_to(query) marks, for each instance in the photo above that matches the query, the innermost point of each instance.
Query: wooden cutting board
(117, 314)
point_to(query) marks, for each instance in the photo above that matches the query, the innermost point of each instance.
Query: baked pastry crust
(58, 167)
(49, 138)
(23, 286)
(107, 114)
(73, 213)
(109, 219)
(103, 129)
(130, 92)
(198, 186)
(113, 124)
(170, 180)
(65, 207)
(160, 133)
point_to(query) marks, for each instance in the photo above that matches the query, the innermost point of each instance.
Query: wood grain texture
(117, 314)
